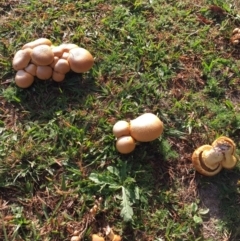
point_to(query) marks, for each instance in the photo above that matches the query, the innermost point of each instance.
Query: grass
(57, 151)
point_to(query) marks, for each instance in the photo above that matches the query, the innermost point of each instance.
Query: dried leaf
(203, 19)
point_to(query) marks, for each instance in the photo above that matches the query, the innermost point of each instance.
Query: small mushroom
(21, 59)
(44, 72)
(207, 161)
(23, 79)
(62, 66)
(31, 69)
(68, 46)
(121, 128)
(210, 159)
(80, 60)
(42, 55)
(125, 144)
(57, 51)
(111, 235)
(96, 237)
(146, 127)
(228, 148)
(65, 55)
(55, 60)
(236, 30)
(37, 42)
(58, 77)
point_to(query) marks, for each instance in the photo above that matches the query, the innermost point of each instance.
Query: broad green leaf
(101, 179)
(194, 207)
(114, 171)
(127, 211)
(104, 180)
(197, 219)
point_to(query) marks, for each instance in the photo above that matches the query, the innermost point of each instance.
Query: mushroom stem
(111, 235)
(109, 232)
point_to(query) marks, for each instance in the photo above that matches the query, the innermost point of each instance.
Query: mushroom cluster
(235, 38)
(145, 128)
(108, 232)
(44, 60)
(110, 235)
(210, 159)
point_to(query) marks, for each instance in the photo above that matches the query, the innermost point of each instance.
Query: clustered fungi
(110, 235)
(210, 159)
(235, 38)
(42, 59)
(144, 128)
(108, 232)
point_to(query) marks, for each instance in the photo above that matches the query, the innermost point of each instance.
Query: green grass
(57, 150)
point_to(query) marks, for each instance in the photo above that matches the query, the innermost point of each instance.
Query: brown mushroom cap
(62, 66)
(65, 55)
(55, 60)
(44, 72)
(31, 69)
(80, 60)
(228, 148)
(121, 128)
(58, 77)
(95, 237)
(21, 59)
(37, 42)
(116, 238)
(146, 127)
(199, 157)
(125, 144)
(42, 55)
(57, 51)
(23, 79)
(68, 46)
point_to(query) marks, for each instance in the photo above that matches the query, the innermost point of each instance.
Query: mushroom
(37, 42)
(65, 55)
(121, 128)
(55, 60)
(68, 46)
(210, 159)
(23, 79)
(96, 237)
(146, 127)
(111, 235)
(57, 51)
(31, 69)
(75, 238)
(21, 59)
(42, 55)
(207, 161)
(80, 60)
(228, 148)
(44, 72)
(125, 144)
(58, 77)
(62, 66)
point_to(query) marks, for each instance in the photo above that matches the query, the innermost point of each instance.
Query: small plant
(118, 179)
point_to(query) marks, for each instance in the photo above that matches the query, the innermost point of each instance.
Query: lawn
(60, 173)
